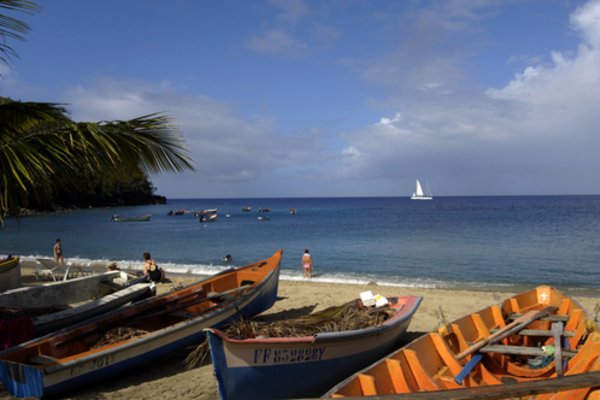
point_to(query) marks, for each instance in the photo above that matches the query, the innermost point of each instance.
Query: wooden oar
(515, 326)
(177, 307)
(509, 329)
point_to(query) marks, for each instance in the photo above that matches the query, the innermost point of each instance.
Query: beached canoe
(35, 311)
(63, 293)
(277, 368)
(538, 344)
(10, 273)
(139, 333)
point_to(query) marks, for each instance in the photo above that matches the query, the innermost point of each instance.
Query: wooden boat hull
(486, 350)
(45, 324)
(10, 274)
(66, 359)
(61, 293)
(112, 296)
(302, 366)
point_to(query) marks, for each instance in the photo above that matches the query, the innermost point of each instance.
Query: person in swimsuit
(307, 264)
(151, 270)
(58, 253)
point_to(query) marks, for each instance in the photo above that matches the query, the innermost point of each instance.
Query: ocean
(480, 243)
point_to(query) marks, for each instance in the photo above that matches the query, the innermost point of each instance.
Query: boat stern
(21, 380)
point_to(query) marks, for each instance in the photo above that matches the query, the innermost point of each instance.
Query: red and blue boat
(59, 362)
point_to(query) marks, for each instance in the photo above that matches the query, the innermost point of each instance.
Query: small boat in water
(539, 344)
(138, 333)
(142, 218)
(288, 367)
(10, 273)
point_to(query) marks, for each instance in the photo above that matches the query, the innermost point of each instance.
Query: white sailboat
(419, 194)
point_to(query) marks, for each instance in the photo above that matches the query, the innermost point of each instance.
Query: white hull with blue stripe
(272, 368)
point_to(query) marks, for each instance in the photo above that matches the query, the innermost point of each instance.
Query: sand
(168, 378)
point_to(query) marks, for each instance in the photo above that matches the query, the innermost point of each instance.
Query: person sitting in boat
(151, 270)
(112, 266)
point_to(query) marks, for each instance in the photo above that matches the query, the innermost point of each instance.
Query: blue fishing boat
(288, 367)
(146, 330)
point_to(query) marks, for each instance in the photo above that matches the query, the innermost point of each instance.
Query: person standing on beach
(307, 264)
(58, 253)
(151, 270)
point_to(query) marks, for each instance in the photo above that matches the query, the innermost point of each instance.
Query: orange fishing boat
(539, 344)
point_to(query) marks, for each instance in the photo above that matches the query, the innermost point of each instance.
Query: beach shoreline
(169, 377)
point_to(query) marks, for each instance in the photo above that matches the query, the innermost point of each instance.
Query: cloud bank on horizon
(339, 99)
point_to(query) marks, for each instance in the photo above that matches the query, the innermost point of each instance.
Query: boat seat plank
(515, 326)
(42, 359)
(521, 350)
(551, 318)
(540, 332)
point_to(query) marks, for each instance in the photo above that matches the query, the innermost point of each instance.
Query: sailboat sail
(419, 194)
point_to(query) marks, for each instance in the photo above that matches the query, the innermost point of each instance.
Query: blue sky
(336, 98)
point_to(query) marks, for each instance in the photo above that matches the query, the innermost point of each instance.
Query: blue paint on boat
(253, 379)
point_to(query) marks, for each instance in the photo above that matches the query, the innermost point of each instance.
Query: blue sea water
(482, 243)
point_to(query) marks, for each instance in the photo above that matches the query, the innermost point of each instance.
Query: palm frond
(37, 139)
(12, 28)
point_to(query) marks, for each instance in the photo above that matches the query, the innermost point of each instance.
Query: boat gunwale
(444, 329)
(403, 314)
(229, 304)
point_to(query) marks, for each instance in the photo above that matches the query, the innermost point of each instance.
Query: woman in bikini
(307, 264)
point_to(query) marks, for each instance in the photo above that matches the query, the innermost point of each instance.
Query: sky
(294, 98)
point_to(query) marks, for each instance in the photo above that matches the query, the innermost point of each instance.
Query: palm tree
(37, 139)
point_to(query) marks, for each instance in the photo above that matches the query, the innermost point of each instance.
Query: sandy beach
(168, 378)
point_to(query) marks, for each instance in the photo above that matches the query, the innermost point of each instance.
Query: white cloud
(539, 131)
(227, 148)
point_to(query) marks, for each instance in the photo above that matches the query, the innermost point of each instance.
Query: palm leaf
(36, 139)
(12, 28)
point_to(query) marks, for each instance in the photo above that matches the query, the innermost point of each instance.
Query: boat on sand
(139, 333)
(538, 344)
(306, 366)
(32, 311)
(10, 273)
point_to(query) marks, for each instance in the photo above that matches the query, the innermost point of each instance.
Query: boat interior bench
(42, 359)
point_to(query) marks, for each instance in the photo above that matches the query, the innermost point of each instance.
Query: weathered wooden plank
(515, 326)
(521, 350)
(552, 318)
(557, 330)
(539, 332)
